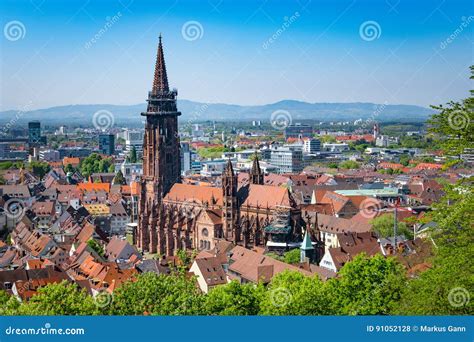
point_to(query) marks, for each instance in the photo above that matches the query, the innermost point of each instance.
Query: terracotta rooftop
(253, 266)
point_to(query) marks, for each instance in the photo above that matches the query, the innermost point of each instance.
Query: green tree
(233, 299)
(174, 294)
(8, 304)
(349, 164)
(275, 256)
(59, 299)
(133, 155)
(95, 163)
(211, 152)
(383, 226)
(38, 168)
(405, 159)
(367, 286)
(69, 168)
(97, 247)
(327, 139)
(119, 178)
(292, 293)
(292, 257)
(453, 124)
(445, 288)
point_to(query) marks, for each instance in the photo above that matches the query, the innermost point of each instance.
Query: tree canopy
(95, 164)
(453, 124)
(383, 226)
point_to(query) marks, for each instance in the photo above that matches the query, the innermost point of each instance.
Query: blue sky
(319, 51)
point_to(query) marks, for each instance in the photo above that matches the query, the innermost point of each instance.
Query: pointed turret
(229, 169)
(160, 80)
(306, 249)
(256, 174)
(307, 244)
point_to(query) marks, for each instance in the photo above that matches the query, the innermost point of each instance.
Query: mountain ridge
(82, 114)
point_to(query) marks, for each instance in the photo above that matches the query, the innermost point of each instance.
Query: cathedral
(174, 216)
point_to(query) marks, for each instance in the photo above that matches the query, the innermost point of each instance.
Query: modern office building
(134, 139)
(49, 155)
(287, 159)
(311, 146)
(336, 147)
(185, 158)
(34, 134)
(79, 152)
(298, 130)
(107, 144)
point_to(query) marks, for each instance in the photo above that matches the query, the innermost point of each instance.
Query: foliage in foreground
(366, 286)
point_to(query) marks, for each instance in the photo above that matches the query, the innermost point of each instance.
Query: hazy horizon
(250, 53)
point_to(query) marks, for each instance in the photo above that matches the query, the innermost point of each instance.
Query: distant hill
(129, 115)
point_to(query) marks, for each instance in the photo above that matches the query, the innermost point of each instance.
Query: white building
(311, 146)
(385, 141)
(49, 155)
(130, 170)
(287, 159)
(336, 147)
(134, 139)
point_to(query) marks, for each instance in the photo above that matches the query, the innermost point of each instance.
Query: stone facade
(174, 216)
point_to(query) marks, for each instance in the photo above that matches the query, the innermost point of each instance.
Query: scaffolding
(281, 222)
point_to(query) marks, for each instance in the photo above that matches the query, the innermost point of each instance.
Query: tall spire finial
(256, 174)
(160, 80)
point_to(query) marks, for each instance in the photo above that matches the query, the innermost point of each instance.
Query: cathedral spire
(160, 81)
(229, 169)
(256, 175)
